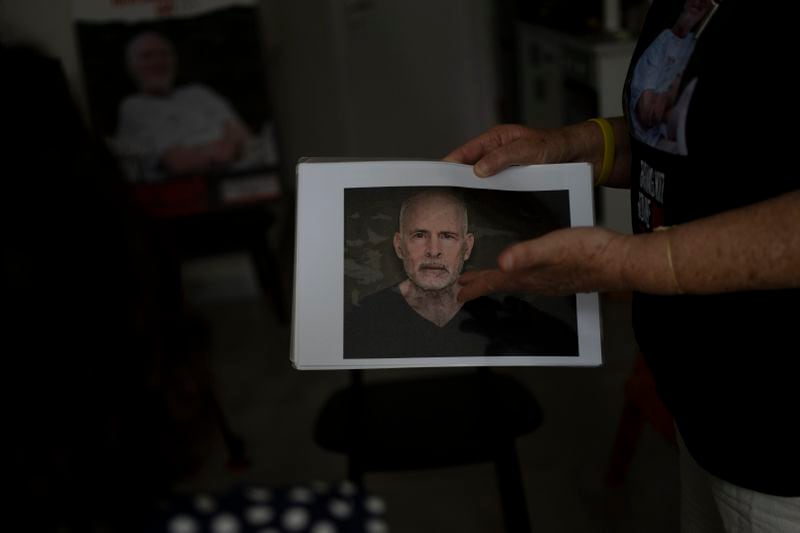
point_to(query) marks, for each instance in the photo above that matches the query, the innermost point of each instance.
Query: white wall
(380, 78)
(418, 75)
(302, 72)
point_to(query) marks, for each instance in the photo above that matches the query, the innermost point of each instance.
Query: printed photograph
(179, 95)
(404, 250)
(659, 91)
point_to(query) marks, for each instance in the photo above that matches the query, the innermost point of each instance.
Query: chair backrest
(434, 421)
(431, 421)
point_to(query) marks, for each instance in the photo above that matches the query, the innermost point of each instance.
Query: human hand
(182, 160)
(513, 144)
(185, 160)
(230, 146)
(223, 151)
(565, 261)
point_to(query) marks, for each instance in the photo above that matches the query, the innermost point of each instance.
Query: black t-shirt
(725, 365)
(384, 325)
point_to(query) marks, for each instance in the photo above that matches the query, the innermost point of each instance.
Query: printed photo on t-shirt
(659, 96)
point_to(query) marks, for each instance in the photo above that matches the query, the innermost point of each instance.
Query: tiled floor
(272, 406)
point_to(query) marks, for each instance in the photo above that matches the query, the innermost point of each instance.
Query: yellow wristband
(608, 150)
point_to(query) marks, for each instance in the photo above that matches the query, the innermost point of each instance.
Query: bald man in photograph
(421, 316)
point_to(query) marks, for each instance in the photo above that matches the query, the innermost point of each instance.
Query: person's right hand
(562, 262)
(512, 144)
(182, 160)
(222, 152)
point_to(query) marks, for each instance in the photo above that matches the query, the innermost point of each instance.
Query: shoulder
(196, 91)
(661, 15)
(372, 311)
(371, 327)
(194, 88)
(133, 104)
(135, 113)
(377, 300)
(658, 45)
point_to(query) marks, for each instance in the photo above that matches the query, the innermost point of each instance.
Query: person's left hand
(222, 151)
(229, 147)
(565, 261)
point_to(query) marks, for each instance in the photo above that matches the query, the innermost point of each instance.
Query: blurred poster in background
(178, 89)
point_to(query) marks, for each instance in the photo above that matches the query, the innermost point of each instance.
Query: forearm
(752, 248)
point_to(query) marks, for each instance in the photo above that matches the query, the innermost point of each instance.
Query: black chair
(434, 422)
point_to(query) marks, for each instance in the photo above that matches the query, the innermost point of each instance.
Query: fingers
(473, 150)
(488, 158)
(462, 154)
(536, 252)
(488, 150)
(518, 152)
(518, 256)
(482, 282)
(495, 151)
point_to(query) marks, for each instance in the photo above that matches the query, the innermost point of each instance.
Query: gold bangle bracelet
(675, 281)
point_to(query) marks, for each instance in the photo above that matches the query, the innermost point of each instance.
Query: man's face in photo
(433, 242)
(151, 60)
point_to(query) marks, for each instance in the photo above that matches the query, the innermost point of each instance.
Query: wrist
(648, 264)
(608, 143)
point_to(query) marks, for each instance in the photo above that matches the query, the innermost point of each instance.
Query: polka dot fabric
(317, 507)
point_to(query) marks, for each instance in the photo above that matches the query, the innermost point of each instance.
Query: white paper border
(317, 325)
